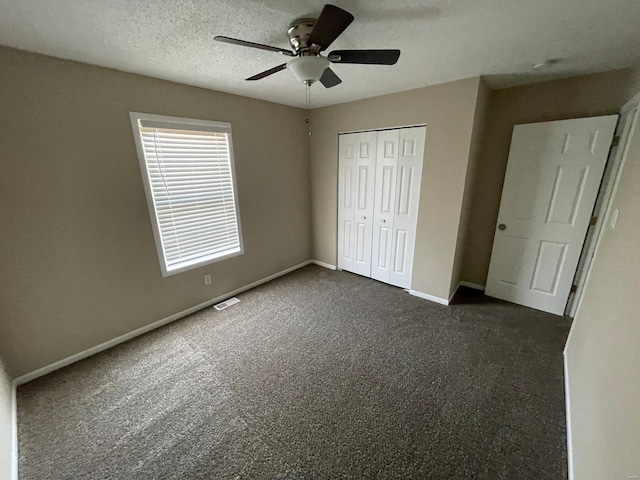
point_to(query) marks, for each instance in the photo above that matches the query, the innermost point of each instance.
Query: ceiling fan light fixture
(308, 69)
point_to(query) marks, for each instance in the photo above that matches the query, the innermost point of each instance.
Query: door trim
(615, 166)
(382, 129)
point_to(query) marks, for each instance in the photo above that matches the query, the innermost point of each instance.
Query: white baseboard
(147, 328)
(325, 265)
(475, 286)
(14, 431)
(443, 301)
(568, 415)
(432, 298)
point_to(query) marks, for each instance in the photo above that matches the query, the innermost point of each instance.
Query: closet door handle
(384, 221)
(364, 218)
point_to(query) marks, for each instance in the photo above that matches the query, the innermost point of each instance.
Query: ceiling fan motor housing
(299, 32)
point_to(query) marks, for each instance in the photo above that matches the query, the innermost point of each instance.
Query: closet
(378, 195)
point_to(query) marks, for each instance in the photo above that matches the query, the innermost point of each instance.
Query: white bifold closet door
(355, 197)
(378, 196)
(384, 204)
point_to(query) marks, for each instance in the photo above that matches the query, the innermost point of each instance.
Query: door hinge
(574, 288)
(593, 221)
(615, 141)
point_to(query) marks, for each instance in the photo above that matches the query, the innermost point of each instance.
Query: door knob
(502, 226)
(364, 218)
(384, 221)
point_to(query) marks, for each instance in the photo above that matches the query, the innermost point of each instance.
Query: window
(189, 179)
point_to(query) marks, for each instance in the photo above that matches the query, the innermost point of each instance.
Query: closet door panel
(366, 147)
(407, 197)
(346, 200)
(384, 204)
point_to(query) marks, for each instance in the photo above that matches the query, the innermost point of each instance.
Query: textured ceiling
(441, 40)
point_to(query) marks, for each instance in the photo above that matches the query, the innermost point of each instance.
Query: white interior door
(346, 200)
(384, 204)
(407, 200)
(552, 180)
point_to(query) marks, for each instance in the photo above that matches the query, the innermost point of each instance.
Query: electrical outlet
(207, 279)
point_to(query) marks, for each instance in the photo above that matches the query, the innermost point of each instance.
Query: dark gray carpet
(318, 374)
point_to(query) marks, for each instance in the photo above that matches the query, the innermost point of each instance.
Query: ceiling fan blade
(244, 43)
(329, 78)
(331, 23)
(266, 73)
(373, 57)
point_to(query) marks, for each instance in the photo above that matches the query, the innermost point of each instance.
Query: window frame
(223, 127)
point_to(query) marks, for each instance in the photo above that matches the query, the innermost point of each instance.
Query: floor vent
(226, 303)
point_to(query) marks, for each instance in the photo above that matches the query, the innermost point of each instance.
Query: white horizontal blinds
(190, 176)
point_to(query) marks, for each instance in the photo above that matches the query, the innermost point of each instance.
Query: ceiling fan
(309, 37)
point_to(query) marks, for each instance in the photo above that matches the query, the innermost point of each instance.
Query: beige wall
(79, 264)
(603, 351)
(6, 423)
(472, 170)
(448, 111)
(583, 96)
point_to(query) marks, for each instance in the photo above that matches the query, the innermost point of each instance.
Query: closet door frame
(361, 213)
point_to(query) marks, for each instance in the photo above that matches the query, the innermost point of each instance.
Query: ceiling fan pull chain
(308, 105)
